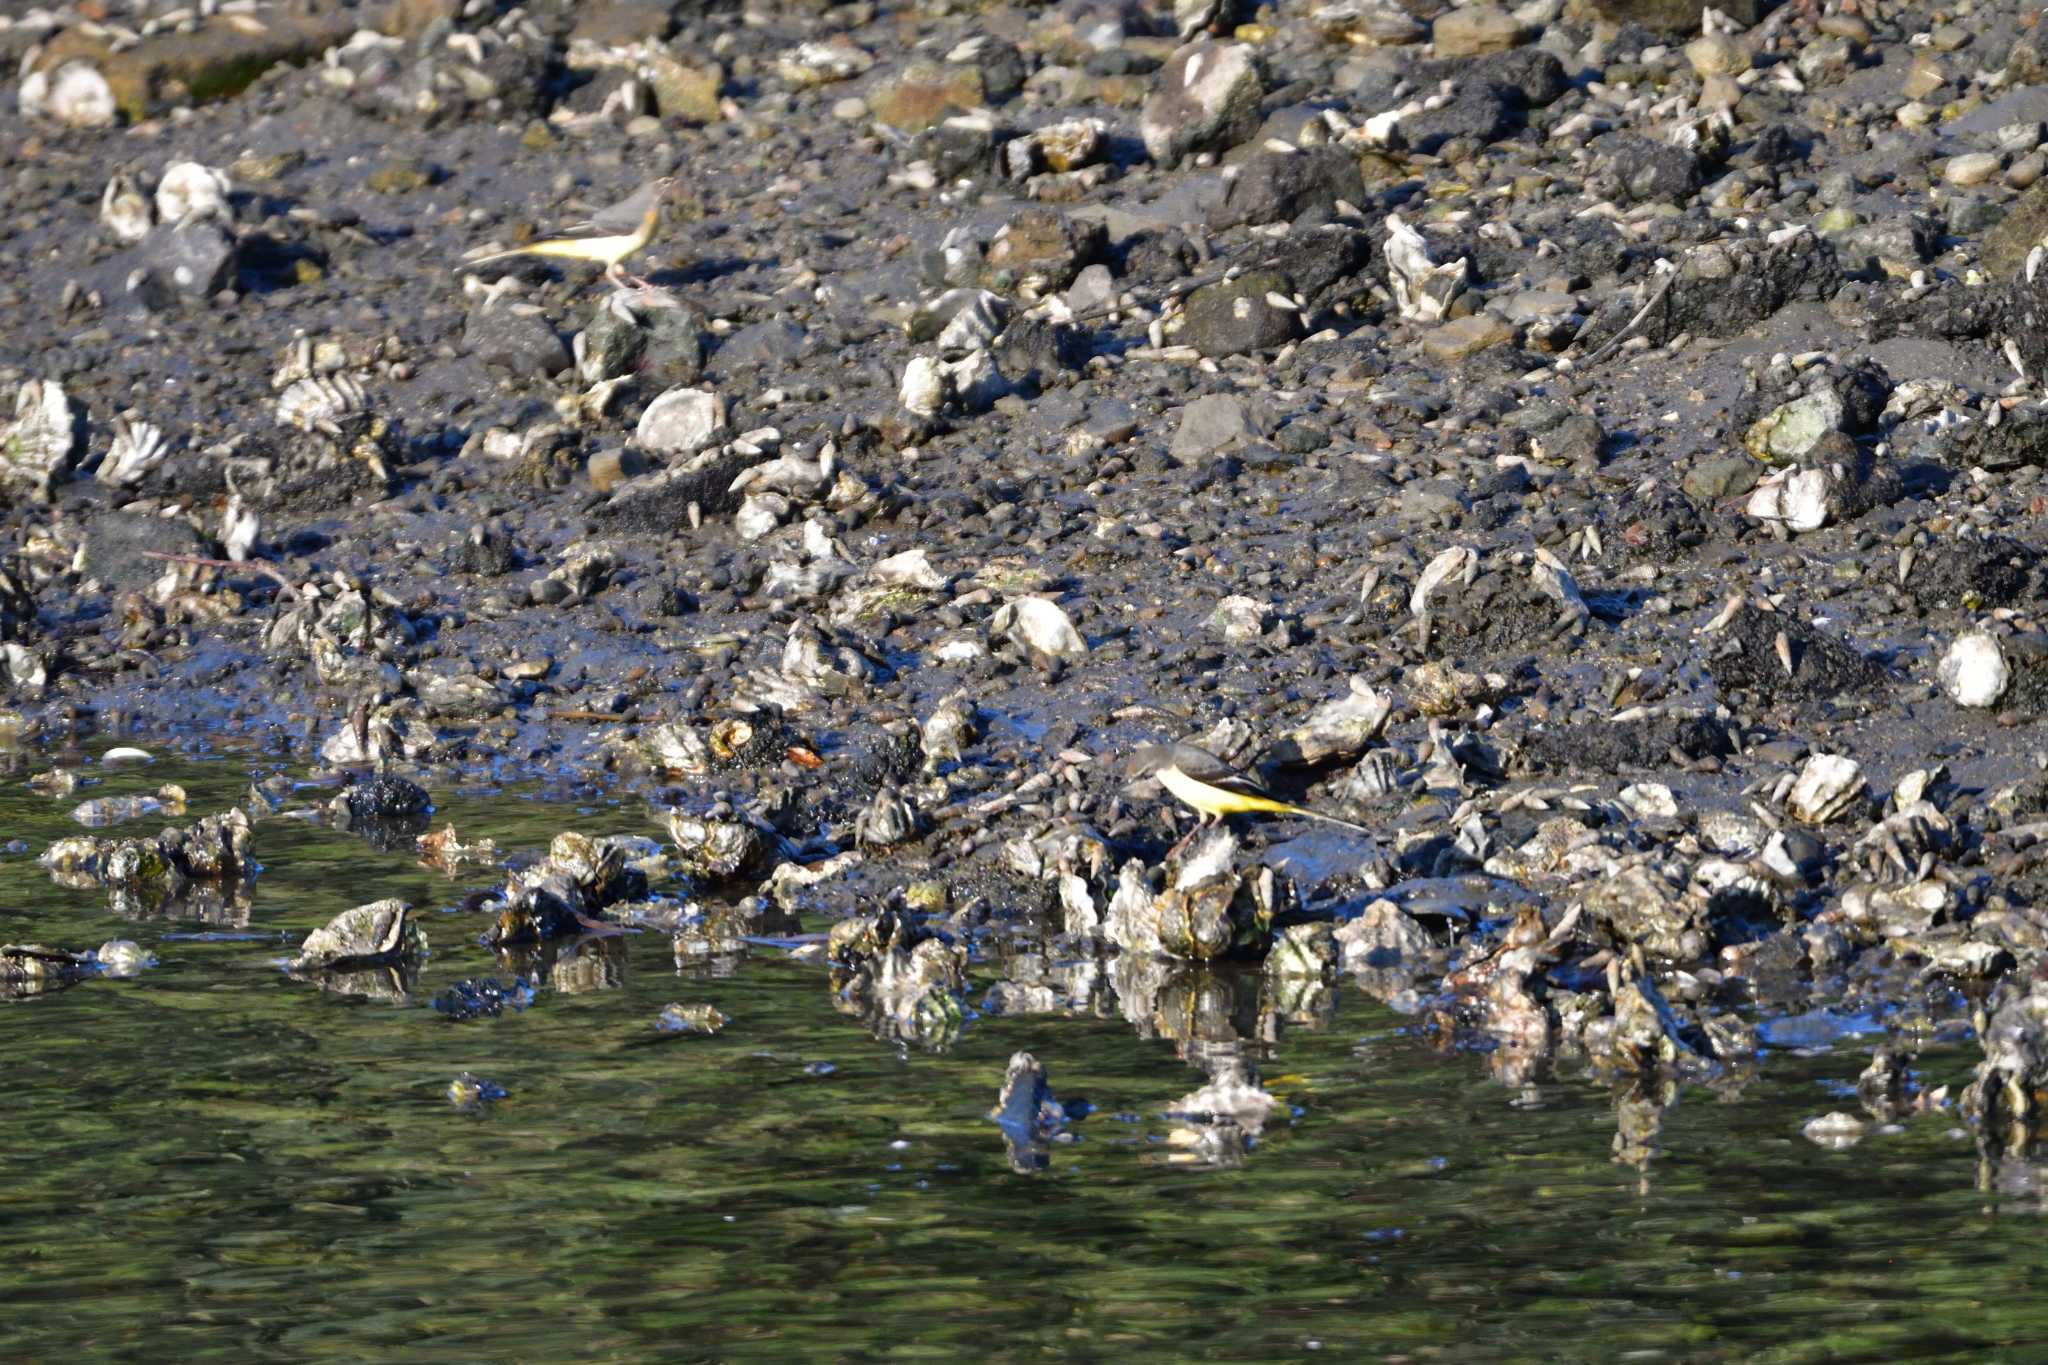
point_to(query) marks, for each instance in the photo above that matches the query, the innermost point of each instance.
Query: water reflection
(1281, 1153)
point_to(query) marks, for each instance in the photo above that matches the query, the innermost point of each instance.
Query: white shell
(682, 421)
(189, 188)
(1800, 498)
(1460, 562)
(138, 448)
(78, 95)
(124, 211)
(239, 527)
(822, 63)
(43, 438)
(1040, 626)
(1974, 671)
(316, 404)
(1423, 290)
(975, 325)
(1828, 786)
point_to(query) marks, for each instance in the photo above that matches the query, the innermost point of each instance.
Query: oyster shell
(190, 190)
(1974, 671)
(888, 819)
(321, 403)
(40, 445)
(376, 934)
(1828, 788)
(1423, 290)
(1039, 627)
(124, 211)
(718, 848)
(138, 448)
(950, 728)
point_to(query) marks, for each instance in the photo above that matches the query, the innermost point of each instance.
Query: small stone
(1716, 54)
(517, 339)
(1794, 428)
(610, 468)
(1720, 477)
(194, 259)
(687, 93)
(1971, 168)
(1233, 317)
(1924, 77)
(401, 176)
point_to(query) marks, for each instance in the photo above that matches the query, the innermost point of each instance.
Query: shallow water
(212, 1160)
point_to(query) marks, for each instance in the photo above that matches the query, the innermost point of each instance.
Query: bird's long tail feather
(1260, 803)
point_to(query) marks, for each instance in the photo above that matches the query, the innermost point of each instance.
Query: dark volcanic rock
(1745, 658)
(189, 260)
(1236, 316)
(1480, 110)
(520, 343)
(1207, 98)
(1637, 744)
(661, 344)
(1636, 168)
(1278, 187)
(1976, 574)
(660, 502)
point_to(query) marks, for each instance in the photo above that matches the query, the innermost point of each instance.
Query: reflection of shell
(320, 404)
(189, 188)
(138, 448)
(124, 211)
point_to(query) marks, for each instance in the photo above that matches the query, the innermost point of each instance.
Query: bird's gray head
(1148, 760)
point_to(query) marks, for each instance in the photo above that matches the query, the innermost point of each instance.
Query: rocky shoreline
(1596, 446)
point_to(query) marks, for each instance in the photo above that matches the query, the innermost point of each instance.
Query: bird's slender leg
(616, 273)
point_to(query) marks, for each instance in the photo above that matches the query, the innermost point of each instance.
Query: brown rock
(621, 23)
(924, 92)
(689, 93)
(1475, 30)
(1467, 336)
